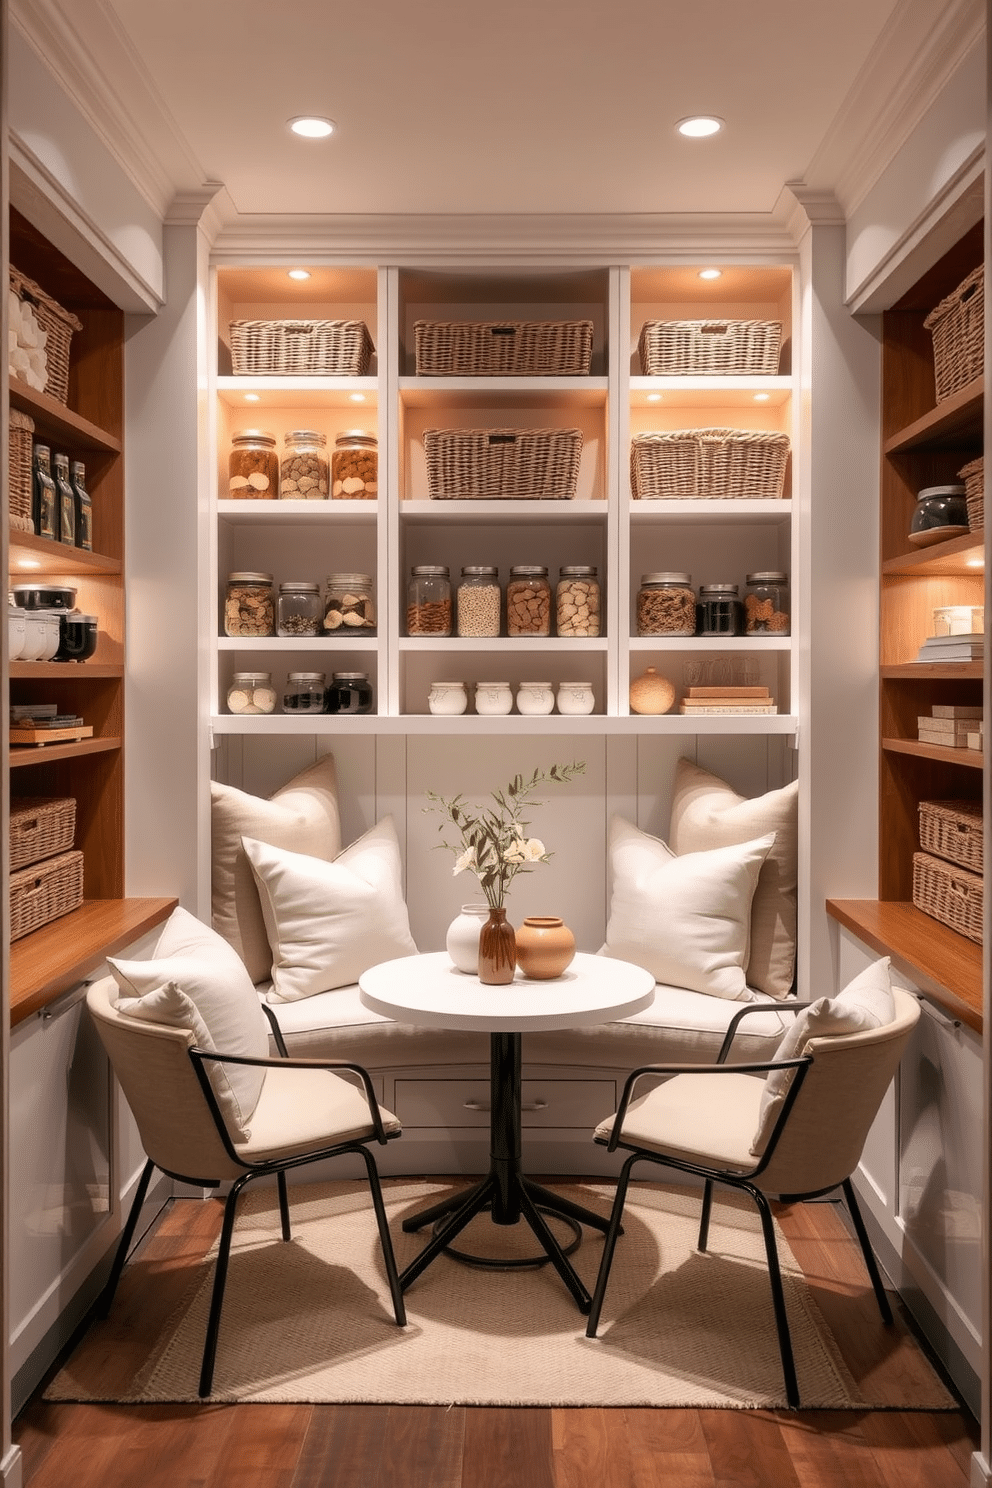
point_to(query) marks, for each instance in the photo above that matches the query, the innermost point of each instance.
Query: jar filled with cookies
(577, 600)
(766, 603)
(249, 605)
(355, 467)
(528, 601)
(304, 473)
(253, 466)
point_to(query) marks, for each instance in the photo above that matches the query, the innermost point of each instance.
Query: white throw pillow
(865, 1003)
(203, 967)
(707, 813)
(329, 922)
(684, 919)
(302, 815)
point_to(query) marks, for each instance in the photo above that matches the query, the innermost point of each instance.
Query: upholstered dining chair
(791, 1128)
(304, 1112)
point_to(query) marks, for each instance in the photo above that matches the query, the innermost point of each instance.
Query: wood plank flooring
(376, 1446)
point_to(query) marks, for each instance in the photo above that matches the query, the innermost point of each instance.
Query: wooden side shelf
(957, 416)
(55, 558)
(50, 753)
(58, 422)
(923, 671)
(971, 758)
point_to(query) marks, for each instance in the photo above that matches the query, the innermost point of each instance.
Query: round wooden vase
(651, 692)
(497, 950)
(545, 946)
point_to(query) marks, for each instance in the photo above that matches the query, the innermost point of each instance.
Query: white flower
(533, 850)
(467, 860)
(515, 853)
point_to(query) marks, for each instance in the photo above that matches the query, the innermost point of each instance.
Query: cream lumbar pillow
(685, 919)
(708, 813)
(302, 815)
(201, 967)
(329, 922)
(865, 1003)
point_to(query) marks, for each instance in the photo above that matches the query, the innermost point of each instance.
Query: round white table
(429, 992)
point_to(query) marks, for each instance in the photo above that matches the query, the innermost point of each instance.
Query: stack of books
(950, 725)
(953, 648)
(728, 700)
(42, 723)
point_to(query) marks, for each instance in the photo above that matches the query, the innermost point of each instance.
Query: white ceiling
(513, 106)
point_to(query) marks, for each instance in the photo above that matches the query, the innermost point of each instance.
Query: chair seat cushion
(305, 1110)
(705, 1118)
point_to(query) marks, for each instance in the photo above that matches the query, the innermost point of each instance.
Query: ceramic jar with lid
(577, 600)
(304, 473)
(349, 603)
(299, 610)
(349, 692)
(766, 603)
(48, 633)
(15, 633)
(535, 699)
(428, 600)
(447, 699)
(940, 512)
(355, 467)
(251, 693)
(719, 611)
(575, 698)
(666, 605)
(253, 466)
(493, 699)
(528, 601)
(304, 692)
(478, 600)
(36, 636)
(77, 636)
(249, 607)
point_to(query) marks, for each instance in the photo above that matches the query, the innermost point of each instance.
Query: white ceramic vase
(462, 940)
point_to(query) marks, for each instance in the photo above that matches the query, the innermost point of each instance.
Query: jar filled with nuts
(577, 601)
(251, 692)
(304, 472)
(528, 601)
(355, 467)
(253, 466)
(666, 605)
(428, 600)
(298, 609)
(766, 604)
(249, 609)
(349, 604)
(477, 601)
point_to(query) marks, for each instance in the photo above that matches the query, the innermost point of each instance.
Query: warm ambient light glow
(312, 127)
(357, 397)
(299, 274)
(761, 397)
(654, 397)
(699, 126)
(711, 273)
(29, 562)
(251, 397)
(975, 563)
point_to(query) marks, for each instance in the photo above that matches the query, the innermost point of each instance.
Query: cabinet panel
(465, 1103)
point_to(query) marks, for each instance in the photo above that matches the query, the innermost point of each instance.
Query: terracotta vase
(651, 692)
(545, 946)
(497, 950)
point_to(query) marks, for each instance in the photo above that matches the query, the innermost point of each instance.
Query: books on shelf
(702, 700)
(950, 725)
(953, 648)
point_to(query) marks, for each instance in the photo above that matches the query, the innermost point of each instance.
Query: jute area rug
(310, 1321)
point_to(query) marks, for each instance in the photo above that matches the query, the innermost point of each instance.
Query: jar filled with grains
(305, 471)
(666, 605)
(428, 603)
(720, 612)
(478, 602)
(528, 601)
(251, 692)
(253, 466)
(355, 467)
(349, 604)
(249, 608)
(298, 609)
(577, 601)
(304, 692)
(766, 604)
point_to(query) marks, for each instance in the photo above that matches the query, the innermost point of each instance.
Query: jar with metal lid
(304, 692)
(428, 600)
(253, 466)
(719, 611)
(349, 692)
(577, 600)
(299, 610)
(766, 603)
(355, 467)
(940, 512)
(478, 601)
(528, 601)
(304, 472)
(249, 608)
(251, 692)
(349, 603)
(666, 605)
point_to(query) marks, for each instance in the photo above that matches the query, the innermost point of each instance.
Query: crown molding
(802, 207)
(207, 208)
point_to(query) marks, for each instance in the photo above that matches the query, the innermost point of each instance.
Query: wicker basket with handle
(708, 465)
(40, 827)
(503, 348)
(58, 325)
(502, 464)
(949, 894)
(957, 325)
(45, 892)
(300, 348)
(953, 830)
(682, 348)
(19, 470)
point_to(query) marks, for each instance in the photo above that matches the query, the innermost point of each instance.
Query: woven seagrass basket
(19, 470)
(953, 830)
(58, 325)
(708, 465)
(301, 348)
(45, 892)
(502, 464)
(957, 325)
(503, 348)
(40, 827)
(680, 348)
(973, 475)
(949, 894)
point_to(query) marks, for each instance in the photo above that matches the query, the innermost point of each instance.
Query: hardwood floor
(376, 1446)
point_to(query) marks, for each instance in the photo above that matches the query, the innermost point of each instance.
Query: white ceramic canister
(535, 698)
(36, 636)
(576, 698)
(493, 698)
(462, 939)
(447, 699)
(15, 633)
(53, 632)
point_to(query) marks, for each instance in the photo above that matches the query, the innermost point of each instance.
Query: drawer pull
(534, 1105)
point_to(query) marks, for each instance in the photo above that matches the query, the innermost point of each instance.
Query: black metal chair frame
(279, 1167)
(742, 1181)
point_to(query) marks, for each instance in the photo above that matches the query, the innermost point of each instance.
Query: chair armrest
(280, 1042)
(785, 1006)
(200, 1056)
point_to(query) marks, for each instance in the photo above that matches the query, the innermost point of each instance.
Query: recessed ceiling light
(975, 563)
(654, 397)
(711, 273)
(299, 274)
(357, 397)
(699, 126)
(311, 126)
(29, 563)
(251, 397)
(761, 397)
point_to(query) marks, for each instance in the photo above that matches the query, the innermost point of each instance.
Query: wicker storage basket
(503, 348)
(19, 470)
(58, 325)
(40, 827)
(45, 892)
(502, 464)
(973, 475)
(953, 830)
(957, 325)
(708, 465)
(287, 348)
(948, 894)
(680, 348)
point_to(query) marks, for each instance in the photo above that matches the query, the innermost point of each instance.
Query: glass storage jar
(447, 699)
(253, 466)
(477, 602)
(577, 600)
(940, 512)
(304, 692)
(349, 603)
(304, 472)
(349, 692)
(299, 610)
(720, 612)
(249, 608)
(251, 692)
(355, 467)
(666, 605)
(428, 601)
(766, 604)
(528, 601)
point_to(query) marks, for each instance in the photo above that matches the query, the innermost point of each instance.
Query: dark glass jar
(941, 511)
(44, 502)
(719, 611)
(77, 636)
(84, 506)
(304, 692)
(65, 500)
(349, 692)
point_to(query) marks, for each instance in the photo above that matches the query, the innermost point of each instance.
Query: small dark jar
(349, 692)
